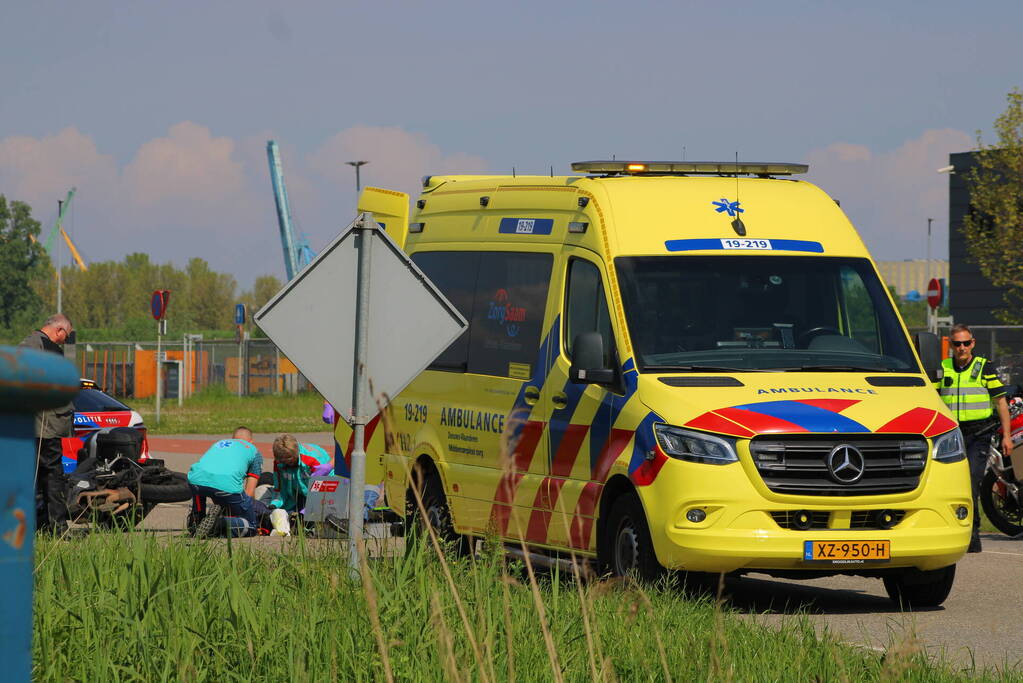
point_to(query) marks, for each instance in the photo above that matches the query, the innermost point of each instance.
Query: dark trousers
(977, 451)
(51, 485)
(235, 505)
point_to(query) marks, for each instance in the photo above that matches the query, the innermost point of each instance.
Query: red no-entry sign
(158, 304)
(934, 293)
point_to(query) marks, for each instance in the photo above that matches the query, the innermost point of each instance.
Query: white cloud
(189, 193)
(890, 195)
(40, 171)
(188, 165)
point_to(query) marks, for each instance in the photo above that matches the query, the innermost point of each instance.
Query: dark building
(971, 296)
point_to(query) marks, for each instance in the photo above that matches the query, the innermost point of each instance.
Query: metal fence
(256, 366)
(128, 369)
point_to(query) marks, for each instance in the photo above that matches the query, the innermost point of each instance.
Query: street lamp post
(60, 284)
(357, 165)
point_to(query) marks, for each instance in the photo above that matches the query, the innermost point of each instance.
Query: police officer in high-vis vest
(970, 388)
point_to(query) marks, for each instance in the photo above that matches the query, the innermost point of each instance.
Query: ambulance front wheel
(915, 588)
(437, 516)
(626, 548)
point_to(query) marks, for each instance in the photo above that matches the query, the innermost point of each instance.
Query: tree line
(110, 301)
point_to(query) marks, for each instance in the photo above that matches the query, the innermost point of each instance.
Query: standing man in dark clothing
(969, 387)
(51, 425)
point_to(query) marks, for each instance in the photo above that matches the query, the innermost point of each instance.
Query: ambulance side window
(586, 306)
(454, 273)
(507, 317)
(858, 316)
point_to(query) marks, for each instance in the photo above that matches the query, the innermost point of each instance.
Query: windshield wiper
(697, 368)
(839, 368)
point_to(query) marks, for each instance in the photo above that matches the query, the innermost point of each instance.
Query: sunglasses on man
(968, 342)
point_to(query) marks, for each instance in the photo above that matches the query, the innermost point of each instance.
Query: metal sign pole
(159, 369)
(240, 336)
(357, 486)
(182, 371)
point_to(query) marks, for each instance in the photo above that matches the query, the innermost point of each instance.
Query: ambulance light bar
(683, 167)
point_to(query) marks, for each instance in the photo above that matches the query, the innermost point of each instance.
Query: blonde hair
(285, 444)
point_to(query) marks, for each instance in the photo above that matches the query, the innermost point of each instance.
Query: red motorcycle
(1002, 486)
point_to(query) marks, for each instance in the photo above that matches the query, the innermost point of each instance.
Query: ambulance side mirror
(588, 364)
(929, 347)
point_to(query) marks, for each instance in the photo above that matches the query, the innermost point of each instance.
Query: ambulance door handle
(560, 400)
(531, 395)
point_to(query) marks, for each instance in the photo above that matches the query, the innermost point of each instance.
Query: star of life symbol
(732, 208)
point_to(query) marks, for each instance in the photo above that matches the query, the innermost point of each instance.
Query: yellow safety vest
(968, 393)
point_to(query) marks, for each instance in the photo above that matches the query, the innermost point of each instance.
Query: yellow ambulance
(684, 365)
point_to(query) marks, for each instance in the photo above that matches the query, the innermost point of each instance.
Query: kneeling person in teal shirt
(228, 473)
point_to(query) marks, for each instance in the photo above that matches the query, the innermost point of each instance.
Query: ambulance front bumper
(747, 527)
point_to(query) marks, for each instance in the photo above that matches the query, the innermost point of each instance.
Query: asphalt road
(979, 621)
(978, 624)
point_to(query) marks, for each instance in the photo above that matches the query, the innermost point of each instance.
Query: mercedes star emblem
(846, 464)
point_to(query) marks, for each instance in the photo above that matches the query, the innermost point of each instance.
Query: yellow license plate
(847, 552)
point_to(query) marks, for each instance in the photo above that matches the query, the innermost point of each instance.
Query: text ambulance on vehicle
(685, 365)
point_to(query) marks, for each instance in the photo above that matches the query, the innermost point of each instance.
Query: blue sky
(159, 112)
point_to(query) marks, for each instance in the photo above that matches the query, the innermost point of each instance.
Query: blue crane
(297, 252)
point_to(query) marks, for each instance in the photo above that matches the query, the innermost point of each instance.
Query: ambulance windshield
(750, 313)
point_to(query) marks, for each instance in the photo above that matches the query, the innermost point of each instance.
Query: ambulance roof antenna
(683, 152)
(552, 170)
(513, 171)
(737, 224)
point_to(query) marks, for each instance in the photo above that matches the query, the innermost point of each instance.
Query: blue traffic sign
(239, 314)
(158, 303)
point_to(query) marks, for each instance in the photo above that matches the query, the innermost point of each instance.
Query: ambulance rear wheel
(438, 516)
(627, 548)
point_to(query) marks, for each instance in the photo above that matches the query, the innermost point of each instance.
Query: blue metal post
(29, 381)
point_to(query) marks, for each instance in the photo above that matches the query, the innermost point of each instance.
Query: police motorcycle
(112, 487)
(1001, 489)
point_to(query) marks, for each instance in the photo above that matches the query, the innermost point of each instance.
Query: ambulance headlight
(695, 446)
(949, 447)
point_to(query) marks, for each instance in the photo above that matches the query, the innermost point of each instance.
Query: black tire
(626, 547)
(175, 490)
(438, 514)
(1004, 512)
(204, 526)
(914, 589)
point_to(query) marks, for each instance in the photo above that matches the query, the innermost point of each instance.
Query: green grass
(217, 411)
(134, 607)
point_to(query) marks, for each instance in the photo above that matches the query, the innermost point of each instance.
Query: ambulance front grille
(797, 465)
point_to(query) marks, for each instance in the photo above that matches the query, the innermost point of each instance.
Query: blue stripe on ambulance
(643, 442)
(340, 466)
(809, 417)
(607, 414)
(713, 244)
(549, 350)
(562, 417)
(526, 226)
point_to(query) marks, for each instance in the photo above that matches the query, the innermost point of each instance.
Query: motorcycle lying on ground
(1001, 493)
(112, 488)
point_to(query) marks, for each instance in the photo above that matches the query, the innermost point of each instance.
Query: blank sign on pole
(312, 320)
